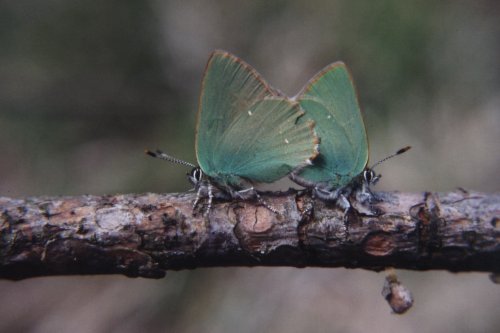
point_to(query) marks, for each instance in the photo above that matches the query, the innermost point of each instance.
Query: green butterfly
(330, 100)
(246, 133)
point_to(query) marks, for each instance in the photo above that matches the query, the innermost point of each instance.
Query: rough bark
(146, 235)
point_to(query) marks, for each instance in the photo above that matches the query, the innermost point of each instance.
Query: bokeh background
(85, 86)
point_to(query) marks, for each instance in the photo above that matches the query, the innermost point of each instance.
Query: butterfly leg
(344, 203)
(294, 176)
(198, 196)
(204, 190)
(366, 198)
(266, 204)
(246, 194)
(339, 196)
(210, 198)
(309, 205)
(250, 193)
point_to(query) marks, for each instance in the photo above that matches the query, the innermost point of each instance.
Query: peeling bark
(145, 235)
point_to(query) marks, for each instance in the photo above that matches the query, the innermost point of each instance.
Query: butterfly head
(369, 175)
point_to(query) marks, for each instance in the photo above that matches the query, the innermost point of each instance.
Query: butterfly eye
(369, 175)
(197, 174)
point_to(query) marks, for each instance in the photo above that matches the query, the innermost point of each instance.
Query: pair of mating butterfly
(249, 132)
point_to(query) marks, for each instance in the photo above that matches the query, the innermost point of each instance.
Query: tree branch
(144, 235)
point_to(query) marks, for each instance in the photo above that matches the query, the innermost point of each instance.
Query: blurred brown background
(85, 86)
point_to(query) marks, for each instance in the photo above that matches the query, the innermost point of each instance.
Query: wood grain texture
(149, 234)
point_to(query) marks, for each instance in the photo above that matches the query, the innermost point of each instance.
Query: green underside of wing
(229, 88)
(330, 100)
(243, 128)
(265, 144)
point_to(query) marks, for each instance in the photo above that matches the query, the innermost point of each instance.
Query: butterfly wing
(330, 100)
(243, 126)
(266, 143)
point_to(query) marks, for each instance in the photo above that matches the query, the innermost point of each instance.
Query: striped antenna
(399, 152)
(161, 155)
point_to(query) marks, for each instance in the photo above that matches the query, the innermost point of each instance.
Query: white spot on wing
(309, 162)
(249, 112)
(328, 117)
(286, 141)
